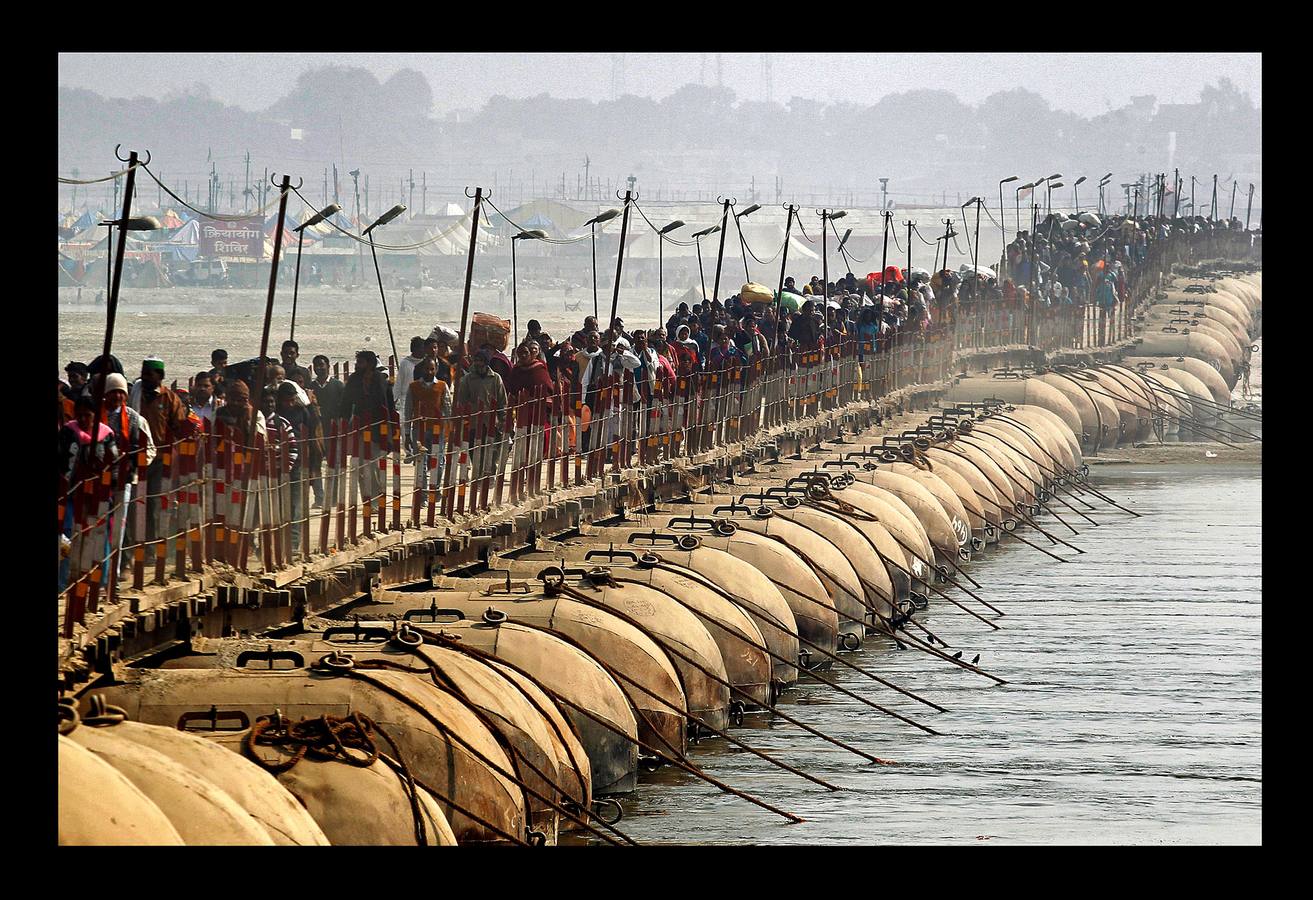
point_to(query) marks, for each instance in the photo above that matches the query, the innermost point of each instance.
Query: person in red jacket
(529, 390)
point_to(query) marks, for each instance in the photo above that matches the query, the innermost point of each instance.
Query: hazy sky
(1087, 84)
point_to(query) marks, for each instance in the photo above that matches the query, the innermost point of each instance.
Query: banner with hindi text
(242, 239)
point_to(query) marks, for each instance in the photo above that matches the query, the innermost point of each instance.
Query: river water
(1133, 712)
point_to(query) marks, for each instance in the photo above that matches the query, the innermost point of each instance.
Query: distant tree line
(922, 139)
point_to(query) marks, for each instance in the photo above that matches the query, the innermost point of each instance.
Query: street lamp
(698, 244)
(975, 250)
(136, 223)
(1075, 195)
(329, 210)
(592, 224)
(386, 217)
(355, 180)
(1002, 225)
(380, 221)
(825, 255)
(127, 223)
(661, 263)
(1050, 180)
(743, 247)
(847, 234)
(1016, 197)
(533, 234)
(132, 223)
(1052, 187)
(1102, 183)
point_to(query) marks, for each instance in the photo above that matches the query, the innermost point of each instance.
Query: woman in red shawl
(530, 389)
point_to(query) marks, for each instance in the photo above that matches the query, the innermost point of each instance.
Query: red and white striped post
(139, 515)
(395, 433)
(434, 462)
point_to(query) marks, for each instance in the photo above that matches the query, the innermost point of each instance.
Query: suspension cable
(110, 177)
(748, 247)
(582, 237)
(917, 231)
(851, 256)
(433, 239)
(667, 239)
(219, 217)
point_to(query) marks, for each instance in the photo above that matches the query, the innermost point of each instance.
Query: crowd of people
(1067, 261)
(299, 407)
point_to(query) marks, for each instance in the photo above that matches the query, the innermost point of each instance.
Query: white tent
(766, 240)
(454, 238)
(694, 295)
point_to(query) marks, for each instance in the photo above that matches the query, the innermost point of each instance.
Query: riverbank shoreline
(1168, 454)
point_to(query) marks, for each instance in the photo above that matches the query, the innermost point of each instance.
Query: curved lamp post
(533, 234)
(1049, 199)
(697, 242)
(1002, 222)
(331, 209)
(843, 240)
(826, 215)
(592, 223)
(743, 247)
(133, 223)
(1016, 196)
(380, 221)
(661, 264)
(975, 249)
(1102, 184)
(1052, 186)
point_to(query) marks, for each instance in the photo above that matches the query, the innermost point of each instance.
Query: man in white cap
(133, 436)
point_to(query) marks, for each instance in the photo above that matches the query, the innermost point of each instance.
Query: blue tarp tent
(87, 219)
(187, 236)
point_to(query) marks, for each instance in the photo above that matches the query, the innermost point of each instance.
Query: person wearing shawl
(481, 394)
(532, 422)
(82, 458)
(688, 358)
(134, 438)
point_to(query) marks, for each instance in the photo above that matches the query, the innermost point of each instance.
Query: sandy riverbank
(1178, 453)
